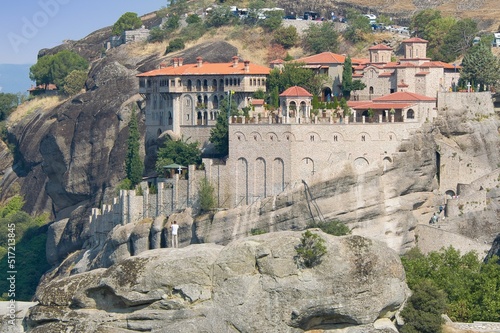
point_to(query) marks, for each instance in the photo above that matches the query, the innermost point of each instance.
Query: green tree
(30, 236)
(311, 249)
(272, 21)
(219, 16)
(180, 152)
(292, 74)
(435, 32)
(480, 66)
(175, 45)
(55, 68)
(321, 38)
(219, 135)
(472, 288)
(157, 34)
(193, 19)
(348, 84)
(128, 21)
(347, 77)
(459, 39)
(172, 23)
(275, 97)
(423, 311)
(254, 12)
(358, 27)
(8, 102)
(421, 20)
(74, 82)
(286, 36)
(206, 195)
(133, 163)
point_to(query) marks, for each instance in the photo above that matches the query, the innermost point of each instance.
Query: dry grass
(38, 103)
(146, 49)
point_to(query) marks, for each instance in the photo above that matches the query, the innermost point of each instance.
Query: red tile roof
(422, 73)
(209, 69)
(439, 64)
(323, 58)
(386, 74)
(257, 102)
(415, 40)
(379, 106)
(380, 47)
(295, 91)
(277, 61)
(405, 96)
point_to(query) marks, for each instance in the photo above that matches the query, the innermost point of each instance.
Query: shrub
(74, 82)
(423, 311)
(311, 249)
(175, 45)
(333, 227)
(257, 231)
(128, 21)
(206, 195)
(286, 36)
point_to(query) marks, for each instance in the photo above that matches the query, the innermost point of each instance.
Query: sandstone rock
(54, 233)
(140, 237)
(251, 285)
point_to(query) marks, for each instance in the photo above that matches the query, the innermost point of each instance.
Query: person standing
(175, 227)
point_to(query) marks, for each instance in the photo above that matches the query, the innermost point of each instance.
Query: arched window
(189, 85)
(198, 85)
(410, 114)
(216, 102)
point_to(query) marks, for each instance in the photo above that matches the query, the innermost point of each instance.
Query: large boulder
(255, 284)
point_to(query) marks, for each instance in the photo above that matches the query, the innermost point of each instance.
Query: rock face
(251, 285)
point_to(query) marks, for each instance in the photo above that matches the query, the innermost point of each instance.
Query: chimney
(199, 61)
(175, 62)
(247, 66)
(163, 64)
(235, 61)
(180, 61)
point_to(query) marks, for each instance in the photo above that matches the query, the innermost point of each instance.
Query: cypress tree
(133, 163)
(347, 78)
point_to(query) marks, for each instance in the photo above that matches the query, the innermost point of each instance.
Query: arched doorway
(327, 95)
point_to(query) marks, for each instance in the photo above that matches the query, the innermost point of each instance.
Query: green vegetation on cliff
(472, 288)
(26, 255)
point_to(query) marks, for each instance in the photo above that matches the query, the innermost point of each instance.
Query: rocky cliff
(253, 284)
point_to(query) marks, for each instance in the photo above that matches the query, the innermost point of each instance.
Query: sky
(26, 26)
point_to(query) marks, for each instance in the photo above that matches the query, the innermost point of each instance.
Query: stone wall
(266, 159)
(460, 164)
(173, 194)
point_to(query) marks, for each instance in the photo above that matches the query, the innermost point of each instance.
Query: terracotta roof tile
(405, 96)
(379, 106)
(380, 47)
(277, 61)
(257, 102)
(323, 58)
(208, 69)
(295, 91)
(415, 40)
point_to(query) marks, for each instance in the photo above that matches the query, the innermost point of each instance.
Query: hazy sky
(30, 25)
